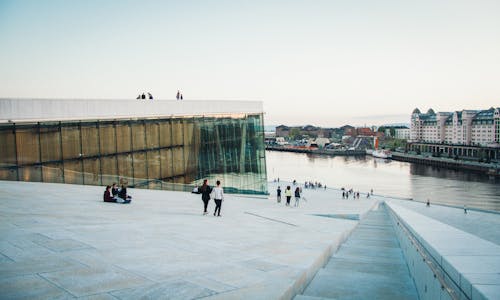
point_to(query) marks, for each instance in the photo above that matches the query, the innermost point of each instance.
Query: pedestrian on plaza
(465, 209)
(178, 96)
(428, 203)
(143, 96)
(297, 196)
(278, 194)
(182, 97)
(218, 198)
(205, 190)
(150, 96)
(288, 195)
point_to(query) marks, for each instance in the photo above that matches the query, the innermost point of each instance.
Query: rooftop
(28, 110)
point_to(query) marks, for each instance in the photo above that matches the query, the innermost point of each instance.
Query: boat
(380, 153)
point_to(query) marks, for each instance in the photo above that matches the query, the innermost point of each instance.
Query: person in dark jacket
(107, 195)
(122, 195)
(114, 190)
(205, 191)
(297, 196)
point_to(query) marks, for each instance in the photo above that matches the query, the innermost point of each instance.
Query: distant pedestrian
(297, 196)
(143, 96)
(278, 194)
(150, 96)
(182, 97)
(371, 192)
(367, 195)
(465, 209)
(218, 198)
(288, 195)
(205, 191)
(428, 203)
(138, 96)
(178, 96)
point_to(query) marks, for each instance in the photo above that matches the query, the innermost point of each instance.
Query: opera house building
(153, 144)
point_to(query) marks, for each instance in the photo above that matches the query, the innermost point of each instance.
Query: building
(466, 127)
(147, 144)
(402, 133)
(467, 133)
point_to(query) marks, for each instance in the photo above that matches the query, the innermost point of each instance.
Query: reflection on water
(386, 177)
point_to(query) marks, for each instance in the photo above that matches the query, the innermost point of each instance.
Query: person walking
(218, 198)
(178, 96)
(278, 194)
(288, 195)
(297, 196)
(205, 191)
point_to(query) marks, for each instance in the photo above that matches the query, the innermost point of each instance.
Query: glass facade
(156, 153)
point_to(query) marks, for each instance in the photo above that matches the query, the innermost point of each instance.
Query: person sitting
(107, 195)
(114, 189)
(122, 195)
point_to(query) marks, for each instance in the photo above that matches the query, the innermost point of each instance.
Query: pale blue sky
(318, 62)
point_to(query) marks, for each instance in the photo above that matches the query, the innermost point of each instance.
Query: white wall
(18, 110)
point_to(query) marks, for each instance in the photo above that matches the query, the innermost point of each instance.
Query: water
(388, 177)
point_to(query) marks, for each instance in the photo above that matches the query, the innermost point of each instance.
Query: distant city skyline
(325, 63)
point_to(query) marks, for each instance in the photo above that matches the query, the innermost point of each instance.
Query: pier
(317, 151)
(492, 169)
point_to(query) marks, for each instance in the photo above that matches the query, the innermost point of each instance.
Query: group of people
(179, 96)
(313, 185)
(113, 194)
(207, 192)
(143, 96)
(288, 195)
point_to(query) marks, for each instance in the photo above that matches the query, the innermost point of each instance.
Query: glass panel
(125, 168)
(153, 135)
(123, 137)
(153, 165)
(177, 132)
(53, 172)
(178, 161)
(71, 142)
(30, 173)
(50, 143)
(107, 138)
(91, 169)
(138, 137)
(165, 134)
(140, 171)
(90, 140)
(73, 172)
(28, 150)
(8, 174)
(7, 147)
(166, 163)
(109, 171)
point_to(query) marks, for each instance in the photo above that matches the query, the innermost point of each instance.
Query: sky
(325, 63)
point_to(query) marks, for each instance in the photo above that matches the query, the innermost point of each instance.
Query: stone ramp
(370, 265)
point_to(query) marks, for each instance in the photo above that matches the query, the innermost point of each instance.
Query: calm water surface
(388, 177)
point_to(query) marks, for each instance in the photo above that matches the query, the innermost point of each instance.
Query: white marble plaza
(60, 241)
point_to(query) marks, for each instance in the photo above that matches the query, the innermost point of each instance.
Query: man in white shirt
(218, 198)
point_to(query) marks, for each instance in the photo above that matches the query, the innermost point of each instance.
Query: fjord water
(388, 178)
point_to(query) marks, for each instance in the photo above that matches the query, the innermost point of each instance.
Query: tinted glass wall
(168, 153)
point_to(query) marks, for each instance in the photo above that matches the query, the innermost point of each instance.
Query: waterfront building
(155, 144)
(468, 133)
(402, 133)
